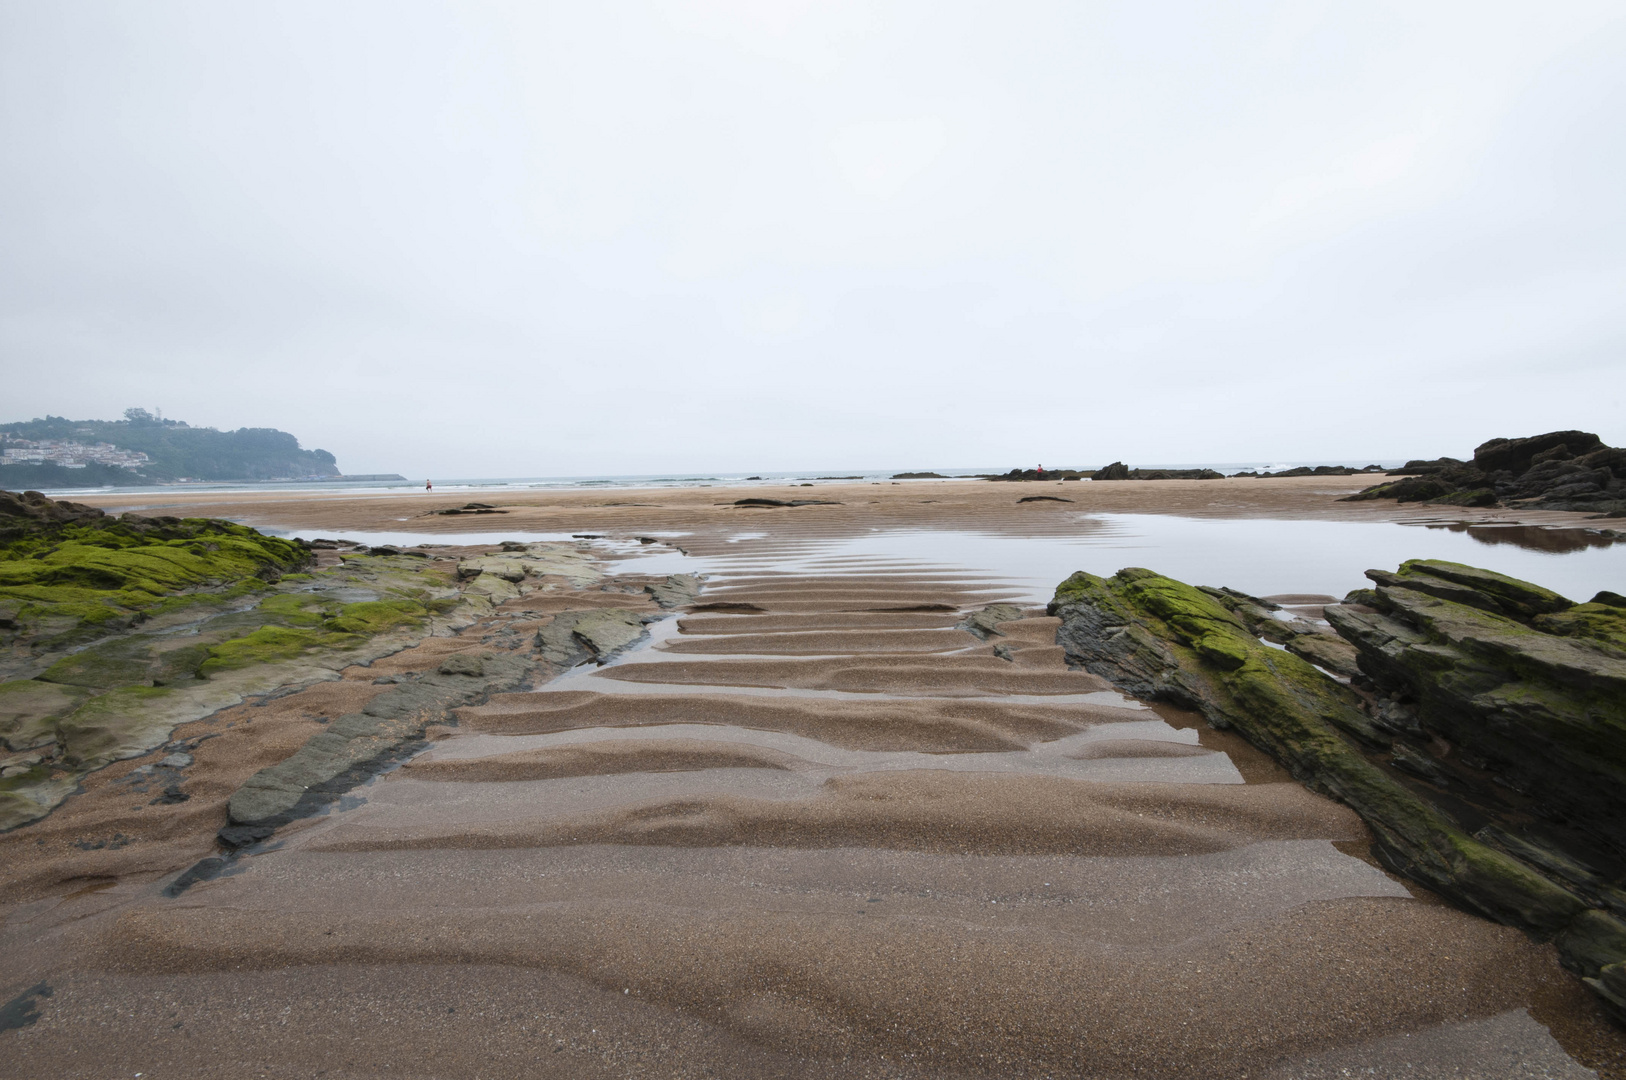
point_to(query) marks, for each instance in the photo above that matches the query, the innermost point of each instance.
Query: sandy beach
(816, 824)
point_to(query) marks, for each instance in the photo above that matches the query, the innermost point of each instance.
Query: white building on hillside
(71, 455)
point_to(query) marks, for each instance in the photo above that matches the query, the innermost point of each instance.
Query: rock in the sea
(1160, 639)
(1561, 470)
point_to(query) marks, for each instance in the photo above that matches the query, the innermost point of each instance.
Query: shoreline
(1286, 498)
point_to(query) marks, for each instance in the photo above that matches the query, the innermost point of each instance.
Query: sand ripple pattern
(817, 828)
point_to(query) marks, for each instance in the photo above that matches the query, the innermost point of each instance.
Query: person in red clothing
(1041, 472)
(429, 485)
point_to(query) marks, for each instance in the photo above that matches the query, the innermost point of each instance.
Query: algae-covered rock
(1312, 641)
(70, 574)
(1161, 639)
(1525, 683)
(198, 649)
(1485, 671)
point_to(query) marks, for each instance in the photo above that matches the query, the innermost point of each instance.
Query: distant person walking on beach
(429, 485)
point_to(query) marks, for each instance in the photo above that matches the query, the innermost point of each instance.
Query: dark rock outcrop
(469, 508)
(1160, 639)
(1561, 470)
(786, 502)
(1039, 475)
(1516, 681)
(31, 512)
(1119, 471)
(1319, 470)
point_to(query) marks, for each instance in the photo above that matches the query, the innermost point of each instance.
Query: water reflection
(1532, 537)
(1258, 556)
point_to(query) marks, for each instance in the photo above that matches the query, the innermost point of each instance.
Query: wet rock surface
(1521, 696)
(678, 590)
(360, 742)
(208, 627)
(1161, 639)
(1560, 470)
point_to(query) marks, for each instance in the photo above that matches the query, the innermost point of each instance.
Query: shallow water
(1258, 556)
(1262, 557)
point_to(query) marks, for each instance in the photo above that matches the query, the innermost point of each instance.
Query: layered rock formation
(115, 630)
(1499, 681)
(1535, 674)
(1561, 470)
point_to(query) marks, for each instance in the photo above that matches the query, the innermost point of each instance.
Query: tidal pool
(1262, 557)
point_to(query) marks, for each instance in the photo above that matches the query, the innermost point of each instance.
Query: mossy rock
(1472, 497)
(71, 583)
(1159, 638)
(118, 724)
(1518, 597)
(271, 645)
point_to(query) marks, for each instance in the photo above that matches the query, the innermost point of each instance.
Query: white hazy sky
(508, 239)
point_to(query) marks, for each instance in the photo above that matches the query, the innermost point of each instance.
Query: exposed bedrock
(1119, 471)
(359, 743)
(1161, 639)
(1560, 470)
(1511, 680)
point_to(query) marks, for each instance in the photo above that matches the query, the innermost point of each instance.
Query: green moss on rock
(1159, 638)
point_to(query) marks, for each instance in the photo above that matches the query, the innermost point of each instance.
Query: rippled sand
(818, 831)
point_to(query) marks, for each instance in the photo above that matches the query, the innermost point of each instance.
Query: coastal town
(69, 454)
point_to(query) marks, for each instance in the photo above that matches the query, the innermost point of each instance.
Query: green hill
(175, 451)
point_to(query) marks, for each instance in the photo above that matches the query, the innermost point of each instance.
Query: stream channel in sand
(813, 827)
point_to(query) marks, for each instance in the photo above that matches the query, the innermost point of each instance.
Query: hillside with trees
(174, 451)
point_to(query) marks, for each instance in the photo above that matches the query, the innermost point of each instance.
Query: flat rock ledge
(1160, 639)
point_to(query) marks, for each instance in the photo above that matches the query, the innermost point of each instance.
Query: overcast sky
(497, 239)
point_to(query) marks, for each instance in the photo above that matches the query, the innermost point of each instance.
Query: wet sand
(817, 830)
(890, 504)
